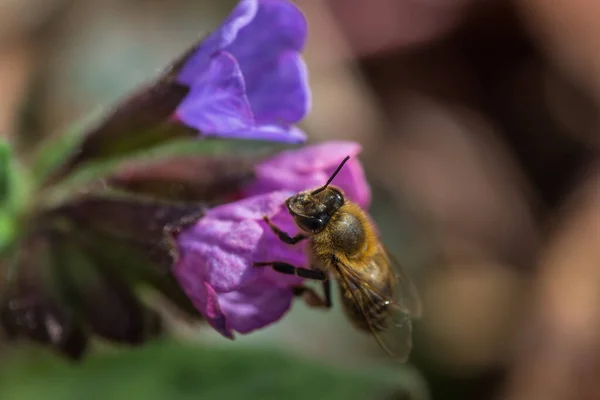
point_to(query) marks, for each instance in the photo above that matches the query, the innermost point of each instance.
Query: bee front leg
(283, 236)
(289, 269)
(311, 298)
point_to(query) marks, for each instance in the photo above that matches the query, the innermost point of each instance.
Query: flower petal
(218, 252)
(310, 167)
(191, 278)
(213, 313)
(253, 208)
(254, 306)
(240, 16)
(217, 102)
(282, 94)
(277, 133)
(216, 264)
(222, 246)
(206, 301)
(276, 76)
(315, 157)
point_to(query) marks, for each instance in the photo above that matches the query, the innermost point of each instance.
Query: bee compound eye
(311, 224)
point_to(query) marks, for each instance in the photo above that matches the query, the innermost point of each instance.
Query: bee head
(311, 212)
(312, 209)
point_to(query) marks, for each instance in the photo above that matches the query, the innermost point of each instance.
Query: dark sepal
(105, 304)
(137, 263)
(130, 218)
(31, 305)
(206, 179)
(140, 121)
(131, 237)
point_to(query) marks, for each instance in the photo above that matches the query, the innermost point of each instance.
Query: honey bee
(376, 293)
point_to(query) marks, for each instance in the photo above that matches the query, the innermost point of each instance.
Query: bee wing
(406, 294)
(394, 334)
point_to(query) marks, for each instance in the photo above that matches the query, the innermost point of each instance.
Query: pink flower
(217, 253)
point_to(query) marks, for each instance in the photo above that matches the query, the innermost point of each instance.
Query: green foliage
(174, 371)
(6, 224)
(14, 194)
(4, 170)
(7, 229)
(56, 149)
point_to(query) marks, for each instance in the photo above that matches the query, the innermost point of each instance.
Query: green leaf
(177, 371)
(53, 152)
(15, 192)
(8, 229)
(5, 155)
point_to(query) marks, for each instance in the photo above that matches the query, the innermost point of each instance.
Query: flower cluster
(248, 80)
(93, 238)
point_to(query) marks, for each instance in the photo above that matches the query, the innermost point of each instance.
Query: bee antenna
(331, 177)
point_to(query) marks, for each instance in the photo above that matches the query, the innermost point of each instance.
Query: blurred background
(479, 121)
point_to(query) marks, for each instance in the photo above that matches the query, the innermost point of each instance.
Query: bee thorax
(347, 234)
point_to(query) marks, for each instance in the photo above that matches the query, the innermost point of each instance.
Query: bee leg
(327, 291)
(311, 298)
(289, 269)
(283, 236)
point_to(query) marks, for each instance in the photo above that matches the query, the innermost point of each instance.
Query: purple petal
(247, 79)
(276, 76)
(316, 157)
(277, 133)
(221, 248)
(217, 106)
(310, 167)
(283, 94)
(217, 102)
(217, 255)
(240, 16)
(219, 252)
(254, 306)
(212, 311)
(251, 208)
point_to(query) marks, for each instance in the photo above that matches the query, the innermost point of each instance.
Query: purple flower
(217, 253)
(247, 79)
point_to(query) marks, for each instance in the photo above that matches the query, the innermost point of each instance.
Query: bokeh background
(479, 122)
